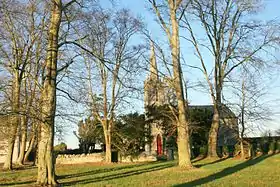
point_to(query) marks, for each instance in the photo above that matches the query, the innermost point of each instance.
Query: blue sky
(140, 8)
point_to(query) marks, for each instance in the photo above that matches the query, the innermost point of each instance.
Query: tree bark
(30, 148)
(46, 164)
(14, 122)
(213, 135)
(242, 140)
(24, 121)
(214, 130)
(242, 149)
(182, 124)
(242, 120)
(108, 157)
(29, 98)
(33, 143)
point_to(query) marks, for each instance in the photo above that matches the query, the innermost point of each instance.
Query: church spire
(153, 63)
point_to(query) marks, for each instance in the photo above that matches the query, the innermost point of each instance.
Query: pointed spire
(153, 63)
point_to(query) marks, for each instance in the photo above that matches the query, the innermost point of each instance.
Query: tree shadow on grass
(27, 183)
(225, 172)
(95, 171)
(17, 168)
(199, 159)
(213, 162)
(99, 171)
(14, 172)
(120, 175)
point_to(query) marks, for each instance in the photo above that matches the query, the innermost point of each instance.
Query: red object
(159, 145)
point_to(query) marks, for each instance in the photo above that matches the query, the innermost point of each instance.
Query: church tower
(152, 81)
(153, 63)
(152, 93)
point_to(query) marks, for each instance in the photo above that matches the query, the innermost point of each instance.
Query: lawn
(261, 171)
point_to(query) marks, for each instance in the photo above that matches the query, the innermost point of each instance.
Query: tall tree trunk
(29, 97)
(214, 130)
(108, 157)
(30, 147)
(182, 124)
(33, 143)
(242, 149)
(46, 164)
(35, 162)
(107, 136)
(213, 135)
(24, 121)
(242, 120)
(14, 122)
(242, 138)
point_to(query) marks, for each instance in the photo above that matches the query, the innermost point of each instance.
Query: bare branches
(162, 22)
(110, 61)
(231, 38)
(247, 58)
(70, 3)
(69, 96)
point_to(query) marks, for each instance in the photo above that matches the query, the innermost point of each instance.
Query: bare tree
(111, 61)
(252, 107)
(171, 29)
(31, 87)
(46, 158)
(19, 34)
(232, 37)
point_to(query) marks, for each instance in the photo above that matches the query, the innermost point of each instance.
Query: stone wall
(99, 157)
(142, 158)
(81, 158)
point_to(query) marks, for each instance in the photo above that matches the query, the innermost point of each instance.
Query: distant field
(262, 171)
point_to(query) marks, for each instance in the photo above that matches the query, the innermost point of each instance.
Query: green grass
(262, 171)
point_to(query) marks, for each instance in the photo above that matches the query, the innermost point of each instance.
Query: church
(158, 93)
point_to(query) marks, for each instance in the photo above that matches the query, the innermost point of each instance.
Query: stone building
(158, 93)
